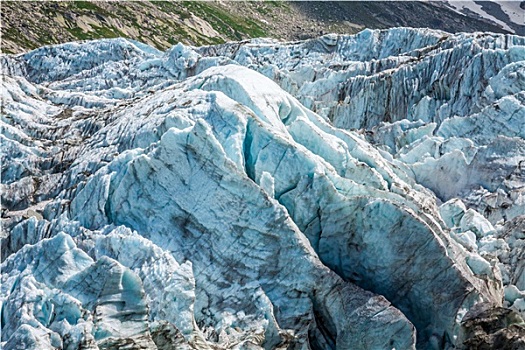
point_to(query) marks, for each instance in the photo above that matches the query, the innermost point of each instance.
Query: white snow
(515, 12)
(511, 8)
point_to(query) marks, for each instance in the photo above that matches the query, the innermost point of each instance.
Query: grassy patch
(85, 5)
(79, 33)
(88, 7)
(231, 26)
(107, 32)
(166, 6)
(46, 39)
(14, 35)
(96, 33)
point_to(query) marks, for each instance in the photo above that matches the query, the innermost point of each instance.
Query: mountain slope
(28, 25)
(222, 197)
(388, 14)
(509, 15)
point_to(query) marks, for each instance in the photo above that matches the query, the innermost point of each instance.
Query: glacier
(344, 192)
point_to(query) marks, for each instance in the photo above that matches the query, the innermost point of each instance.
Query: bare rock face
(209, 198)
(488, 327)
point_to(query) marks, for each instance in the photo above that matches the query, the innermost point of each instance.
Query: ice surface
(221, 197)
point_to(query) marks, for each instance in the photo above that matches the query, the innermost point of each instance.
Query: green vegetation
(85, 5)
(232, 26)
(46, 39)
(97, 33)
(14, 35)
(79, 33)
(88, 8)
(167, 6)
(165, 23)
(108, 32)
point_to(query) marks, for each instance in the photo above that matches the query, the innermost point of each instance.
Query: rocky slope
(28, 25)
(157, 23)
(388, 14)
(344, 192)
(509, 15)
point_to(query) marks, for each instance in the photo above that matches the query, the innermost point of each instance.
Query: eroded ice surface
(347, 192)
